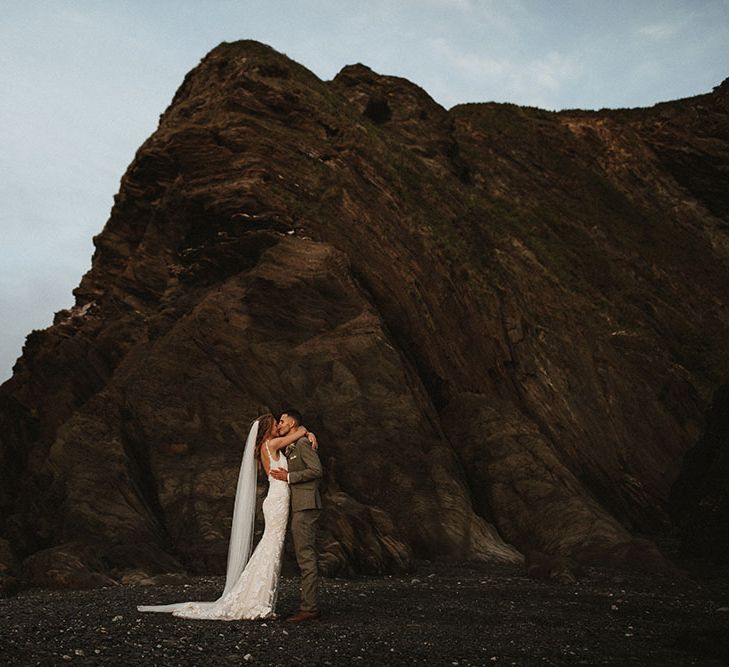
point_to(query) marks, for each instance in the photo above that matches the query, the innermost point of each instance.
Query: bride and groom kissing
(286, 451)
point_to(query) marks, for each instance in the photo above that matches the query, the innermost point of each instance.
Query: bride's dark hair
(265, 422)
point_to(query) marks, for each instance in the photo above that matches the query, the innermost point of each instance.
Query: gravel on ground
(442, 614)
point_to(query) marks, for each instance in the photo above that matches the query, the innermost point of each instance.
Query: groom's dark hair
(295, 415)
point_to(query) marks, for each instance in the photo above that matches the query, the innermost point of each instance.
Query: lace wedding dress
(253, 595)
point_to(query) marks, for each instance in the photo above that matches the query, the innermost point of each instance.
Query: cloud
(452, 4)
(532, 82)
(485, 15)
(658, 31)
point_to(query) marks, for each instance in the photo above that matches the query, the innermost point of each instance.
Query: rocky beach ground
(442, 614)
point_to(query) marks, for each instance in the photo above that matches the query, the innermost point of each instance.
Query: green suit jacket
(305, 471)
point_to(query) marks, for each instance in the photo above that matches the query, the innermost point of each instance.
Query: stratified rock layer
(505, 325)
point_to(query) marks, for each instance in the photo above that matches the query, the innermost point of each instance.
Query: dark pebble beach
(442, 614)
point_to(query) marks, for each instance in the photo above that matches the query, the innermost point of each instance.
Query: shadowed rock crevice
(505, 324)
(377, 110)
(700, 496)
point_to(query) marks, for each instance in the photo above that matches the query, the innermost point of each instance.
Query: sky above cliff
(83, 84)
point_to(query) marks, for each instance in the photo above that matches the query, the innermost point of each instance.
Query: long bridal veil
(241, 532)
(244, 513)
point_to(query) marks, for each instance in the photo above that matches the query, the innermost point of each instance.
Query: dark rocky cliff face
(505, 324)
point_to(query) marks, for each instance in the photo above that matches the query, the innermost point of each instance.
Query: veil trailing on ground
(241, 531)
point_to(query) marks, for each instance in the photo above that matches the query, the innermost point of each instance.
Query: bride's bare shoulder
(265, 456)
(273, 454)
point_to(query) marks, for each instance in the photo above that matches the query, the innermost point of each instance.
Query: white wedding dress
(253, 595)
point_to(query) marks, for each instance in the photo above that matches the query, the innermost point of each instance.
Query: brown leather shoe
(304, 616)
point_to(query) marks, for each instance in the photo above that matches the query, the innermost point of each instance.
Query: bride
(251, 586)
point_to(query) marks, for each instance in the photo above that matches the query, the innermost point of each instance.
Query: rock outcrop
(700, 496)
(505, 324)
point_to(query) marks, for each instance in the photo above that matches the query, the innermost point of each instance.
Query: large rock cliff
(505, 324)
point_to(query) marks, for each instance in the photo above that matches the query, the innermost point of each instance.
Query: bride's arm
(274, 444)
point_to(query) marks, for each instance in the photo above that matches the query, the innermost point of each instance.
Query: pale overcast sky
(82, 85)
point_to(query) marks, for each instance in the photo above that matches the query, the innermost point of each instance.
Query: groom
(303, 477)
